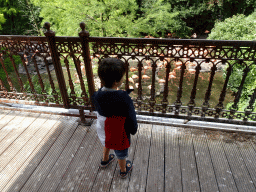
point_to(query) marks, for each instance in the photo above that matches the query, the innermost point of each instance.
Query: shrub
(238, 27)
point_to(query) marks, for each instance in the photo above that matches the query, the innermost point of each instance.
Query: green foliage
(2, 20)
(102, 18)
(238, 27)
(159, 20)
(18, 17)
(37, 87)
(8, 64)
(9, 67)
(234, 7)
(199, 15)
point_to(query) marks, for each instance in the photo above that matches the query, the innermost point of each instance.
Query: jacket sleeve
(131, 117)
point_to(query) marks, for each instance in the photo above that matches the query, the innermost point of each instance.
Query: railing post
(84, 36)
(57, 65)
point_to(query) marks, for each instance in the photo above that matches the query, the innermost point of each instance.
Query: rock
(40, 63)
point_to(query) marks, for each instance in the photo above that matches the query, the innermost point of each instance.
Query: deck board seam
(19, 134)
(164, 158)
(39, 187)
(212, 163)
(180, 163)
(149, 149)
(44, 157)
(135, 147)
(193, 145)
(221, 143)
(239, 151)
(40, 160)
(94, 179)
(20, 148)
(77, 151)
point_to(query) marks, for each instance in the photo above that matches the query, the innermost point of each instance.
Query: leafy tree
(18, 17)
(160, 17)
(234, 7)
(159, 20)
(238, 27)
(137, 18)
(2, 20)
(102, 17)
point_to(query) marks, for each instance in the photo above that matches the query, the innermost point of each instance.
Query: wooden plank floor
(41, 152)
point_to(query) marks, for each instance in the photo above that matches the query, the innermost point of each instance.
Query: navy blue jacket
(110, 103)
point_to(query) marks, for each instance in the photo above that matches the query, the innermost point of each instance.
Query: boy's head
(111, 70)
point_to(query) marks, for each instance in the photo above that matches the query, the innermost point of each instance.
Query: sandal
(128, 169)
(106, 163)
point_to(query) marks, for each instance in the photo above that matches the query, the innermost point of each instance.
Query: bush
(238, 27)
(9, 67)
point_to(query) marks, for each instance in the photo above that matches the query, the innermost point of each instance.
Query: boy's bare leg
(105, 154)
(122, 164)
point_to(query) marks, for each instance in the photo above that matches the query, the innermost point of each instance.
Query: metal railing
(171, 77)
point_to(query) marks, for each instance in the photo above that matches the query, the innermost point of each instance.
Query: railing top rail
(204, 42)
(22, 38)
(236, 43)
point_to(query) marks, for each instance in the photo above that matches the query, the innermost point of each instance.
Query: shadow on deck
(42, 152)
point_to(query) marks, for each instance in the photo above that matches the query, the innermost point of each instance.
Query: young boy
(116, 117)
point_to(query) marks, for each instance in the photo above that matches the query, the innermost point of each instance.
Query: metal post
(57, 65)
(84, 36)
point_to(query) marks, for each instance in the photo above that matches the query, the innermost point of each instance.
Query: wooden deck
(42, 152)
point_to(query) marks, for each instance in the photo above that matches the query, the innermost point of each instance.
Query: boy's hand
(129, 91)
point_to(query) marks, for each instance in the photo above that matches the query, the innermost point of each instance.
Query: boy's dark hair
(111, 70)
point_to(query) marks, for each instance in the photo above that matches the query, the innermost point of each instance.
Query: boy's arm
(133, 126)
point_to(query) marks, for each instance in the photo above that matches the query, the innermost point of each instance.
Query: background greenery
(127, 18)
(225, 19)
(238, 27)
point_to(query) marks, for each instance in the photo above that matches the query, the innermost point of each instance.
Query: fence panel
(186, 79)
(183, 78)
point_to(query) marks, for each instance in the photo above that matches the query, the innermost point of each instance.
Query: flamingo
(145, 77)
(194, 36)
(177, 67)
(146, 68)
(205, 53)
(178, 63)
(173, 73)
(130, 87)
(165, 63)
(171, 77)
(83, 69)
(160, 64)
(150, 87)
(76, 75)
(77, 81)
(148, 62)
(192, 71)
(136, 85)
(132, 69)
(161, 81)
(168, 59)
(135, 76)
(131, 80)
(192, 64)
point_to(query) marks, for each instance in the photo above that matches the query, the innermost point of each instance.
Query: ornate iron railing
(171, 77)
